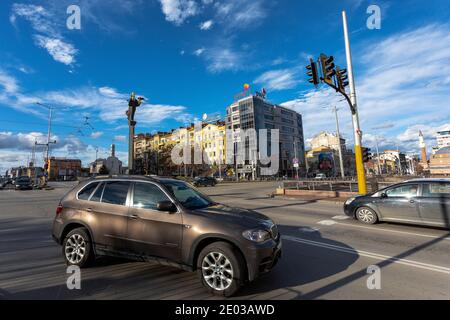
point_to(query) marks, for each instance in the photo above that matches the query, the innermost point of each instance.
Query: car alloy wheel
(365, 215)
(75, 248)
(217, 271)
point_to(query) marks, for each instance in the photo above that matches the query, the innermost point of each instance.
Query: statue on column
(133, 103)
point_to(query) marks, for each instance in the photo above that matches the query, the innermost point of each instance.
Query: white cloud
(120, 138)
(21, 141)
(199, 51)
(111, 104)
(223, 58)
(38, 17)
(278, 79)
(177, 11)
(47, 31)
(241, 14)
(206, 25)
(401, 84)
(96, 135)
(8, 83)
(108, 103)
(60, 51)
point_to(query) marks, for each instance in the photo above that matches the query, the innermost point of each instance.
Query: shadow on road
(300, 264)
(444, 201)
(287, 205)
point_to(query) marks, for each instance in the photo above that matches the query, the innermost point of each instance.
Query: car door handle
(134, 216)
(89, 209)
(411, 201)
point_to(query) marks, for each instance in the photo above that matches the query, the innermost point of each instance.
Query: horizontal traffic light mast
(331, 75)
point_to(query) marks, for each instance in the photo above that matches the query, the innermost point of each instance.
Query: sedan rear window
(436, 190)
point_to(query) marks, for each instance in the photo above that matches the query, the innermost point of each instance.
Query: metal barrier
(333, 185)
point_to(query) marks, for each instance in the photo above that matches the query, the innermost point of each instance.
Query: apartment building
(255, 112)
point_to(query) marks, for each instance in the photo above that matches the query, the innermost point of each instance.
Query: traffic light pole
(341, 160)
(362, 189)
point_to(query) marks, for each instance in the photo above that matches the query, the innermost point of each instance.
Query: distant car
(320, 176)
(204, 181)
(419, 201)
(23, 183)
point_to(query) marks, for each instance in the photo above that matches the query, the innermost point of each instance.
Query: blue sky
(190, 57)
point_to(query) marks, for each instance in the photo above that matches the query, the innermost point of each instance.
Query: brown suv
(167, 221)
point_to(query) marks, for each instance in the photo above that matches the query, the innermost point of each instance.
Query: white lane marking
(308, 229)
(372, 255)
(340, 217)
(327, 222)
(390, 230)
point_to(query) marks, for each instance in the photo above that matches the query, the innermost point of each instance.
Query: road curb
(321, 200)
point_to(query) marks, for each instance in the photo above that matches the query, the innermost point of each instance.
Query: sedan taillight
(59, 209)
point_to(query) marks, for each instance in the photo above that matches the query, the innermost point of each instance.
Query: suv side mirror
(383, 195)
(166, 206)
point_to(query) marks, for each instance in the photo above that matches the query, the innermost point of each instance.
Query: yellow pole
(360, 170)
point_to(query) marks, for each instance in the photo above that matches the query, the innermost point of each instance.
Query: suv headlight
(256, 235)
(348, 201)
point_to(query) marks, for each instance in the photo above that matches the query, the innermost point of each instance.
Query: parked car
(204, 181)
(23, 183)
(419, 201)
(320, 176)
(167, 221)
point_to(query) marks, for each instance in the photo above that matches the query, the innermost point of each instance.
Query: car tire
(78, 239)
(366, 215)
(226, 262)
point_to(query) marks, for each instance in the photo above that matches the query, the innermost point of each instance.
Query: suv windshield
(187, 196)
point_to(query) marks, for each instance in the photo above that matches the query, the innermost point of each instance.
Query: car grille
(274, 232)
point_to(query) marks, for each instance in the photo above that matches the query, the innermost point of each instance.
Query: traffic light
(312, 73)
(365, 154)
(328, 71)
(341, 77)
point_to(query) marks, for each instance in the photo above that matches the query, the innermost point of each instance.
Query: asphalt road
(325, 255)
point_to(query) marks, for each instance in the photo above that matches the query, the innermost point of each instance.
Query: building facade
(443, 139)
(112, 165)
(440, 162)
(328, 140)
(323, 157)
(255, 112)
(152, 151)
(63, 169)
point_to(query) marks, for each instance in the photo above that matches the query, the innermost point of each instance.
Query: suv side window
(97, 196)
(85, 193)
(116, 192)
(409, 190)
(147, 195)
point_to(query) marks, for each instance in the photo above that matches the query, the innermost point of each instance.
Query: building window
(286, 113)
